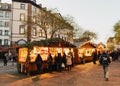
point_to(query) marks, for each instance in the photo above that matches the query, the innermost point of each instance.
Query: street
(6, 69)
(81, 75)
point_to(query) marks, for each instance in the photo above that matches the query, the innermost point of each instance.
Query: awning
(4, 49)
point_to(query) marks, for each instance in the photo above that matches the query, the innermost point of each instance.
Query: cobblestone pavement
(81, 75)
(10, 67)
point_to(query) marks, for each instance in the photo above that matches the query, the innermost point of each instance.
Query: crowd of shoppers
(60, 62)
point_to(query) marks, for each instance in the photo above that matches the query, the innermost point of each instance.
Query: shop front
(43, 51)
(85, 51)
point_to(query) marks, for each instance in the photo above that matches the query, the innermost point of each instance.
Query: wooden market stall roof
(101, 45)
(87, 45)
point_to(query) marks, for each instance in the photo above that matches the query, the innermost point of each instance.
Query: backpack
(105, 60)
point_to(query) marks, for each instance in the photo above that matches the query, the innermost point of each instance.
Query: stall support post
(28, 62)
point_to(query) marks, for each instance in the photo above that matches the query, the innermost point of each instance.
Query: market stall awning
(4, 49)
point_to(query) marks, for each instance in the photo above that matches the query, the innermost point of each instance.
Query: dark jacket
(49, 59)
(64, 58)
(59, 59)
(104, 59)
(38, 60)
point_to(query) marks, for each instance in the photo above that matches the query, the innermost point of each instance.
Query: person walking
(5, 59)
(105, 61)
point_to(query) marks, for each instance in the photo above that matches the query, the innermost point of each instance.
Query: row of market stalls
(81, 52)
(43, 51)
(54, 47)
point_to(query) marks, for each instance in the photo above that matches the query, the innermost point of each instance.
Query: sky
(97, 16)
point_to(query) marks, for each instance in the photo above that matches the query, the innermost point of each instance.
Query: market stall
(22, 57)
(43, 51)
(85, 51)
(54, 47)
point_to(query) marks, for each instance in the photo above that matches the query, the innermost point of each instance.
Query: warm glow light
(22, 54)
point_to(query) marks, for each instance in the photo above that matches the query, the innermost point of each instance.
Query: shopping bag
(63, 65)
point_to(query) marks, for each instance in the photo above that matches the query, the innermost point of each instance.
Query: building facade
(22, 29)
(16, 27)
(5, 24)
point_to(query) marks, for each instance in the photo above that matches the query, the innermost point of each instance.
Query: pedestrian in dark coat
(38, 62)
(55, 63)
(59, 62)
(94, 55)
(98, 55)
(50, 62)
(105, 61)
(5, 60)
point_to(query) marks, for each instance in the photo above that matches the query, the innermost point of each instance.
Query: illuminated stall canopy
(54, 46)
(43, 51)
(55, 50)
(86, 49)
(23, 52)
(101, 47)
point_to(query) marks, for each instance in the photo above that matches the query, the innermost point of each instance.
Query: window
(34, 9)
(0, 41)
(4, 6)
(40, 33)
(6, 32)
(1, 14)
(7, 14)
(0, 32)
(1, 23)
(7, 24)
(22, 17)
(5, 41)
(22, 29)
(22, 6)
(21, 42)
(34, 31)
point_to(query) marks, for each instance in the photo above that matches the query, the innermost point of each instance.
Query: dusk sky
(98, 16)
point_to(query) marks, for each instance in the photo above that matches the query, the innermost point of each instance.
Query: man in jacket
(105, 61)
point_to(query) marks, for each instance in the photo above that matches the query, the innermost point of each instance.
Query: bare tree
(41, 19)
(46, 19)
(89, 35)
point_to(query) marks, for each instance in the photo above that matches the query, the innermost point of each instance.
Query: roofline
(86, 43)
(27, 1)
